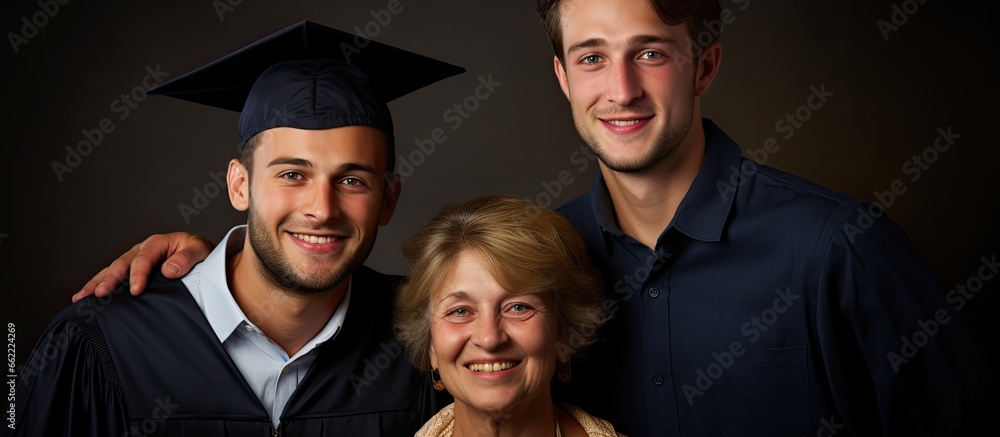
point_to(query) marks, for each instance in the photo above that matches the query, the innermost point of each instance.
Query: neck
(645, 202)
(537, 419)
(288, 318)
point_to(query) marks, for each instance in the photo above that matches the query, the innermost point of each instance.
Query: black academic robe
(152, 365)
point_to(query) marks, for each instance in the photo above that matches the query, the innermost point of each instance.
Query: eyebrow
(453, 295)
(634, 40)
(286, 160)
(508, 295)
(300, 162)
(586, 44)
(651, 39)
(353, 166)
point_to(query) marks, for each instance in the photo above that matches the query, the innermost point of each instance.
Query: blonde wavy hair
(526, 248)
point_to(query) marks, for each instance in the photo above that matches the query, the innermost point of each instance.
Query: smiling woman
(500, 299)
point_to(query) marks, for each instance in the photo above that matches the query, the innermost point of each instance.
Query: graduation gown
(151, 365)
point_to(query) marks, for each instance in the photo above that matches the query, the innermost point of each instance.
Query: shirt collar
(332, 326)
(703, 212)
(209, 286)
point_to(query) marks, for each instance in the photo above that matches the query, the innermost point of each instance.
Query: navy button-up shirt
(772, 306)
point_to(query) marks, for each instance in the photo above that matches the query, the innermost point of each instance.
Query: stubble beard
(668, 139)
(277, 270)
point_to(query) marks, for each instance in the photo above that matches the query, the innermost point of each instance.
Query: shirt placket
(279, 368)
(285, 384)
(657, 338)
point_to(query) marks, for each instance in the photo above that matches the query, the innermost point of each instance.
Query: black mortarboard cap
(309, 76)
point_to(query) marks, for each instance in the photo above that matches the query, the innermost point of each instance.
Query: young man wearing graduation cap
(272, 333)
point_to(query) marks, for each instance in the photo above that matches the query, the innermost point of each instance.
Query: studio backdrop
(889, 101)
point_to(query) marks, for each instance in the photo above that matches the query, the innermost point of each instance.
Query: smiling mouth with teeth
(623, 122)
(314, 239)
(492, 367)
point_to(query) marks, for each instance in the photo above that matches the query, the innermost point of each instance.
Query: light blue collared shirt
(269, 371)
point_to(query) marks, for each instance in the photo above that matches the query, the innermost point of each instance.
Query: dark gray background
(937, 70)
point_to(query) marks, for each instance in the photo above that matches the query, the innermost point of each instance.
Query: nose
(490, 333)
(623, 83)
(321, 204)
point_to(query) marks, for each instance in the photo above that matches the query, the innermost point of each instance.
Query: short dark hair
(246, 153)
(698, 14)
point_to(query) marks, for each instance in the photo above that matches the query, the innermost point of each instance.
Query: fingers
(116, 273)
(189, 250)
(142, 266)
(107, 279)
(149, 253)
(91, 285)
(183, 249)
(107, 285)
(179, 264)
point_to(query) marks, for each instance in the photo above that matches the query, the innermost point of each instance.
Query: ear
(393, 188)
(563, 351)
(708, 66)
(561, 75)
(239, 185)
(433, 357)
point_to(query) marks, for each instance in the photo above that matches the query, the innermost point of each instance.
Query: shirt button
(658, 379)
(248, 327)
(654, 292)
